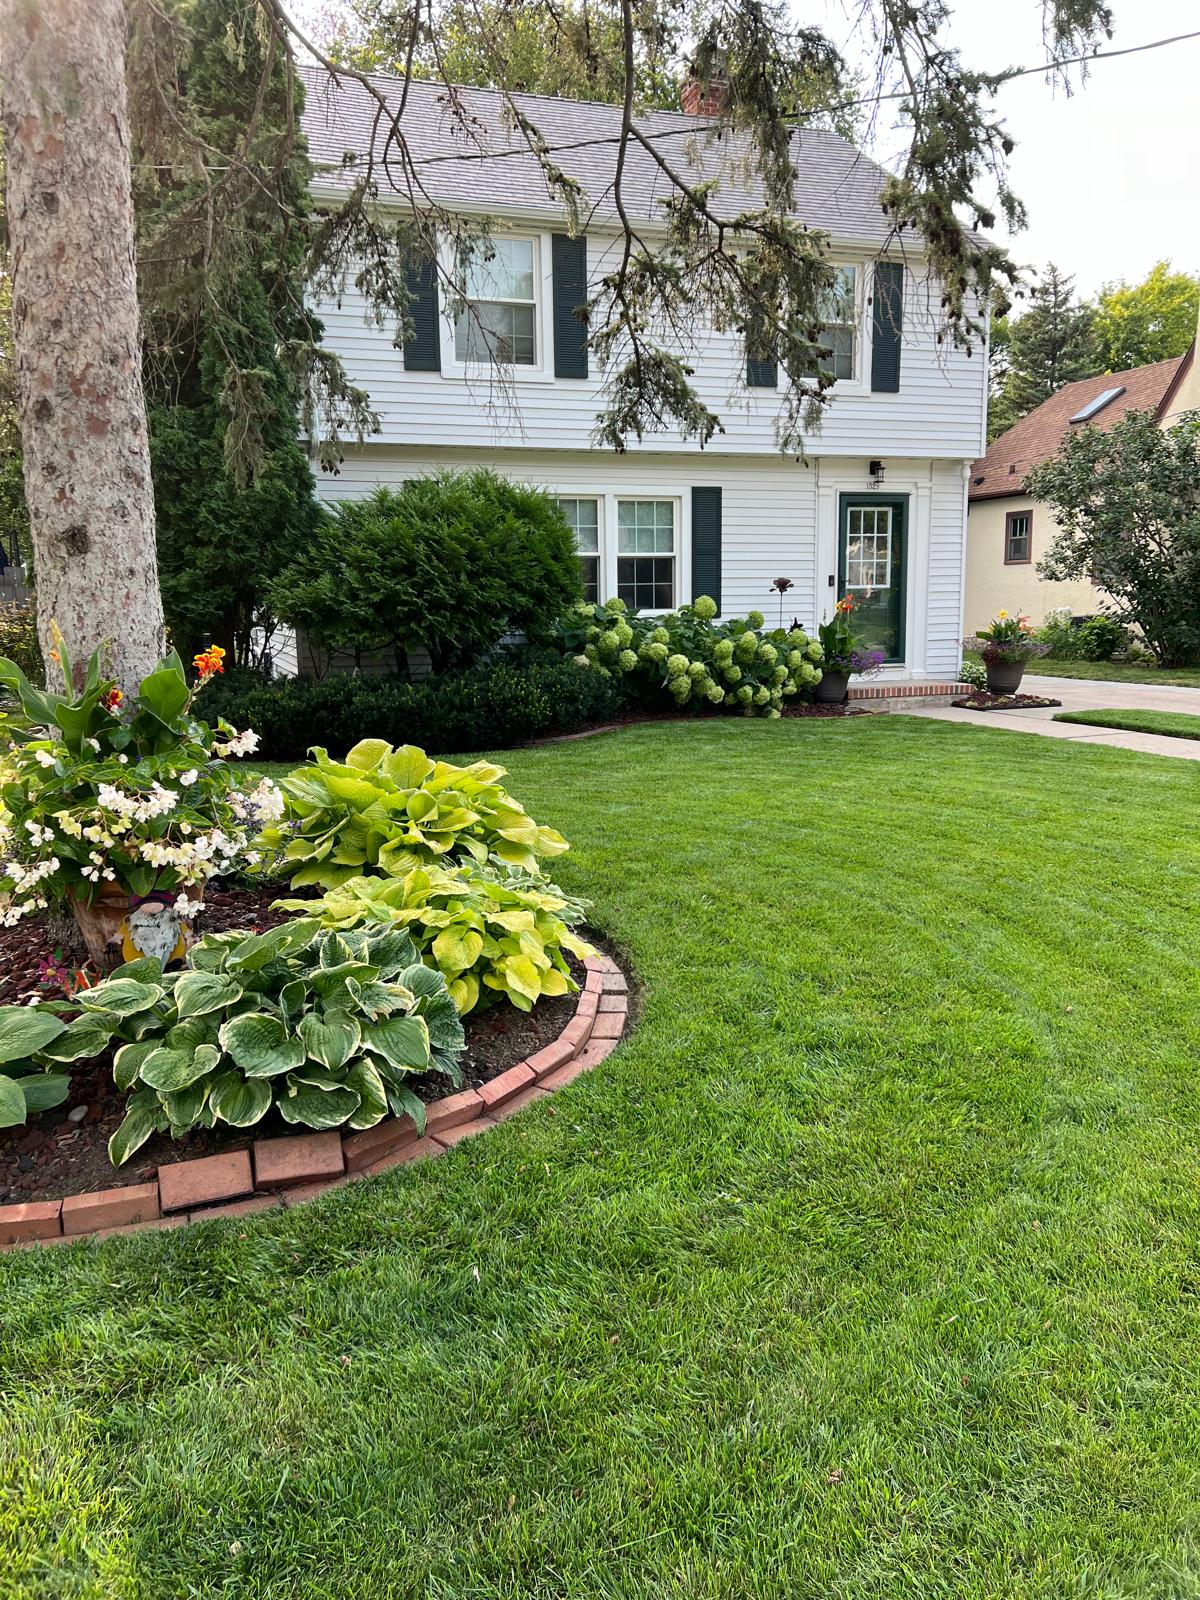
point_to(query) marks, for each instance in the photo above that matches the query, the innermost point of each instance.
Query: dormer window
(500, 323)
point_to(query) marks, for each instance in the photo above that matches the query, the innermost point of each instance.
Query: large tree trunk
(76, 332)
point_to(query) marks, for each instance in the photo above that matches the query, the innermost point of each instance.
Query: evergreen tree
(1050, 345)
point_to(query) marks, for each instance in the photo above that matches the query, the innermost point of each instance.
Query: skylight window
(1105, 398)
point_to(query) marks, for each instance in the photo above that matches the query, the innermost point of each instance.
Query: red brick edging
(289, 1170)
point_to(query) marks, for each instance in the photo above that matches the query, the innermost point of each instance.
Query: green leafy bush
(448, 563)
(329, 1028)
(481, 929)
(1097, 639)
(523, 696)
(687, 658)
(19, 640)
(387, 810)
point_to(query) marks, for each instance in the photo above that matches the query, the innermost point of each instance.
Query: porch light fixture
(875, 469)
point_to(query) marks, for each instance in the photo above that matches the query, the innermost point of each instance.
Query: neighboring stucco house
(1008, 533)
(879, 506)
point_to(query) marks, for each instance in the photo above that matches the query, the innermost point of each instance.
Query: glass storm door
(871, 570)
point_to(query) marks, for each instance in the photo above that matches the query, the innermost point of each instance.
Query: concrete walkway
(1081, 694)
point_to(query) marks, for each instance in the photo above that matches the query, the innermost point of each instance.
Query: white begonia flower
(123, 759)
(189, 777)
(95, 744)
(43, 758)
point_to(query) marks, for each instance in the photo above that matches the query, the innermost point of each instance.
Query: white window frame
(542, 371)
(860, 382)
(589, 555)
(888, 536)
(606, 528)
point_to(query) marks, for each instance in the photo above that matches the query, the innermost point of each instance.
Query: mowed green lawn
(1119, 672)
(868, 1268)
(1176, 724)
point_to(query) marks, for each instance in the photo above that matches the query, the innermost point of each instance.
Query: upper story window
(583, 518)
(500, 323)
(1018, 530)
(840, 331)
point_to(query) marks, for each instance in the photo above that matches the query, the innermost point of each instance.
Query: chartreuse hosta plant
(690, 658)
(329, 1028)
(386, 810)
(140, 797)
(490, 934)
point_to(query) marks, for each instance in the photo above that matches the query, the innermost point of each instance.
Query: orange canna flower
(112, 701)
(209, 661)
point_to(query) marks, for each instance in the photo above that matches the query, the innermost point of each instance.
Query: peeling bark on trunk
(76, 331)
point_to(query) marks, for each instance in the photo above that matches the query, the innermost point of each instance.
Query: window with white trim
(646, 552)
(840, 311)
(500, 323)
(583, 519)
(869, 548)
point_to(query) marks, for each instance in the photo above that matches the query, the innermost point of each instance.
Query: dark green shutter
(706, 544)
(887, 316)
(568, 259)
(761, 374)
(423, 348)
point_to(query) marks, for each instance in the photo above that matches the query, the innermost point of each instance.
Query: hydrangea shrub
(687, 658)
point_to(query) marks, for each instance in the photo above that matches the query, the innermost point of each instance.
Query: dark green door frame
(899, 507)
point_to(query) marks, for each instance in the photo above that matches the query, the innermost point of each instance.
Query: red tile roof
(1038, 436)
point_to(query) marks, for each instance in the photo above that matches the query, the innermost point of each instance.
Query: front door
(871, 569)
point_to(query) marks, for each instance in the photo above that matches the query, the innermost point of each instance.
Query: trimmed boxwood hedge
(487, 707)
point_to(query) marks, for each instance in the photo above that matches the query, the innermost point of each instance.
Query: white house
(879, 506)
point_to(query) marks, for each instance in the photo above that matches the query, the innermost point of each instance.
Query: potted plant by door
(844, 656)
(1006, 645)
(123, 812)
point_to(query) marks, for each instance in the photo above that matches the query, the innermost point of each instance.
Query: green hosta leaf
(44, 1090)
(521, 974)
(515, 855)
(24, 1029)
(405, 1103)
(186, 1106)
(318, 1077)
(87, 1036)
(137, 1127)
(368, 753)
(167, 1070)
(121, 996)
(401, 1041)
(197, 993)
(260, 1045)
(465, 993)
(436, 1005)
(391, 952)
(556, 983)
(457, 950)
(408, 767)
(372, 1096)
(331, 1039)
(146, 969)
(239, 1101)
(12, 1102)
(128, 1060)
(578, 947)
(328, 980)
(310, 1107)
(293, 998)
(187, 1035)
(379, 999)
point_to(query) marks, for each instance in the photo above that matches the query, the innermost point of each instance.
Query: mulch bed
(803, 708)
(65, 1151)
(981, 700)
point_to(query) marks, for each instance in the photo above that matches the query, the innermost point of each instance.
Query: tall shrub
(1127, 505)
(449, 563)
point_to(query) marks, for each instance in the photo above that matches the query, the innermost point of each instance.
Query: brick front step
(291, 1170)
(906, 691)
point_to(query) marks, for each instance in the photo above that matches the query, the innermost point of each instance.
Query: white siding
(938, 411)
(779, 519)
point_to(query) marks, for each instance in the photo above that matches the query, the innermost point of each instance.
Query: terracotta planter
(1004, 677)
(831, 691)
(119, 927)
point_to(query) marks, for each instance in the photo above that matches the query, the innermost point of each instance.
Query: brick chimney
(699, 102)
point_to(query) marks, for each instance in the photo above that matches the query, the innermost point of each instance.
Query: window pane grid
(840, 331)
(646, 554)
(646, 583)
(1018, 538)
(583, 519)
(869, 547)
(500, 325)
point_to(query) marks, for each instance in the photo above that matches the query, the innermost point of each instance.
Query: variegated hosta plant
(483, 930)
(385, 810)
(328, 1027)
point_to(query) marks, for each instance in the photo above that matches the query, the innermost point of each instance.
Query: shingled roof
(1038, 436)
(486, 165)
